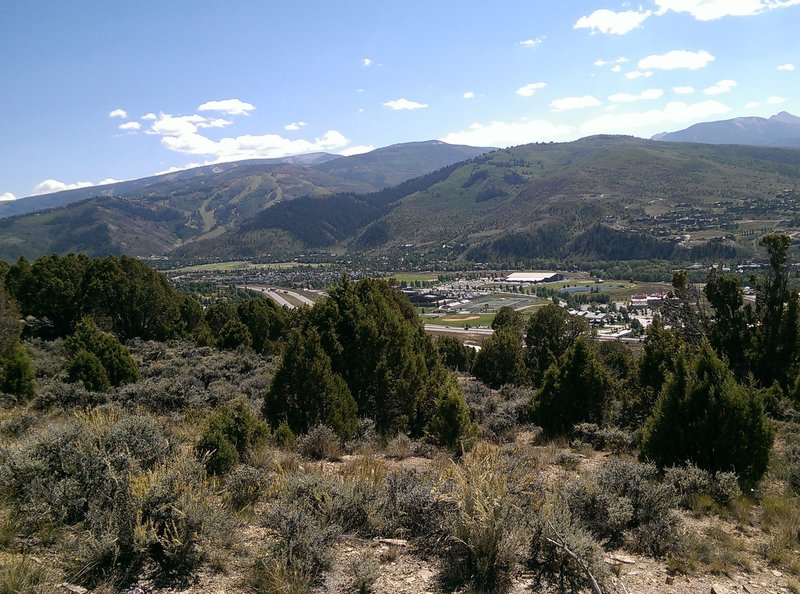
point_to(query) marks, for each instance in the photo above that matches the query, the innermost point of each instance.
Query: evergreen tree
(86, 368)
(729, 334)
(233, 335)
(550, 332)
(454, 354)
(306, 392)
(575, 390)
(508, 317)
(661, 348)
(119, 366)
(17, 374)
(501, 359)
(705, 417)
(265, 321)
(450, 423)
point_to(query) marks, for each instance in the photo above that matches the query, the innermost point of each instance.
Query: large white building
(539, 276)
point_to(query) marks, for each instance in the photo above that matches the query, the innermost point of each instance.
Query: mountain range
(602, 197)
(782, 129)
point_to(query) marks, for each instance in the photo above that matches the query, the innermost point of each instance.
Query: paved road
(457, 330)
(272, 294)
(299, 297)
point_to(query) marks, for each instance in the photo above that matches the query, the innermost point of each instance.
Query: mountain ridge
(779, 130)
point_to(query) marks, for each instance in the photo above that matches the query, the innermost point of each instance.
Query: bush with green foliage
(228, 435)
(501, 359)
(244, 485)
(306, 391)
(233, 335)
(265, 321)
(455, 354)
(551, 331)
(320, 443)
(117, 362)
(451, 425)
(573, 391)
(17, 375)
(703, 416)
(86, 368)
(691, 483)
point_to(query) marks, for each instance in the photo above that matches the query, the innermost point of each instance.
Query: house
(536, 277)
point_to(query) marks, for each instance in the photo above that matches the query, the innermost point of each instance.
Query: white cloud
(170, 125)
(503, 134)
(634, 74)
(118, 113)
(649, 94)
(357, 150)
(215, 123)
(675, 112)
(229, 106)
(130, 126)
(149, 116)
(6, 196)
(366, 62)
(616, 68)
(532, 42)
(709, 10)
(529, 89)
(401, 104)
(295, 125)
(683, 90)
(774, 100)
(469, 95)
(620, 60)
(786, 67)
(49, 186)
(677, 59)
(723, 86)
(567, 103)
(614, 23)
(752, 105)
(252, 146)
(52, 185)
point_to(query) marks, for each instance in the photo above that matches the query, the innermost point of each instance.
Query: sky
(93, 91)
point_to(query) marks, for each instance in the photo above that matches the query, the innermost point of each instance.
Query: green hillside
(600, 197)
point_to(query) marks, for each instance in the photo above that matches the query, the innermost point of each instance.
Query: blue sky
(93, 90)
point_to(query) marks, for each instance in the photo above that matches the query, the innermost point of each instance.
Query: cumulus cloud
(634, 74)
(170, 125)
(786, 67)
(567, 103)
(675, 112)
(468, 95)
(401, 104)
(677, 59)
(6, 196)
(130, 126)
(357, 150)
(150, 116)
(215, 123)
(616, 68)
(775, 100)
(366, 62)
(613, 23)
(649, 94)
(710, 10)
(295, 125)
(229, 106)
(620, 60)
(532, 42)
(723, 86)
(529, 89)
(118, 113)
(752, 105)
(503, 134)
(683, 90)
(252, 146)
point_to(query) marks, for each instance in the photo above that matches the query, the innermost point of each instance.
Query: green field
(411, 277)
(462, 320)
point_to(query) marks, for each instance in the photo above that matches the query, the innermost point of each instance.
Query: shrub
(501, 359)
(228, 435)
(612, 438)
(119, 366)
(691, 482)
(400, 447)
(86, 368)
(483, 524)
(364, 572)
(450, 424)
(17, 375)
(301, 546)
(55, 393)
(320, 443)
(411, 507)
(705, 417)
(553, 566)
(244, 486)
(284, 437)
(233, 335)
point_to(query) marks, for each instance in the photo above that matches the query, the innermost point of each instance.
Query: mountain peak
(786, 118)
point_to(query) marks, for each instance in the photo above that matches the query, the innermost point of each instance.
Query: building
(540, 276)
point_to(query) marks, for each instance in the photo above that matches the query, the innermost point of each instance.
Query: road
(271, 293)
(457, 330)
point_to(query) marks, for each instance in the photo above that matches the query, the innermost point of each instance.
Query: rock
(669, 580)
(397, 542)
(624, 559)
(717, 589)
(749, 589)
(74, 589)
(776, 573)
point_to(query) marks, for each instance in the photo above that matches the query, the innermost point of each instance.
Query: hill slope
(599, 197)
(782, 130)
(170, 210)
